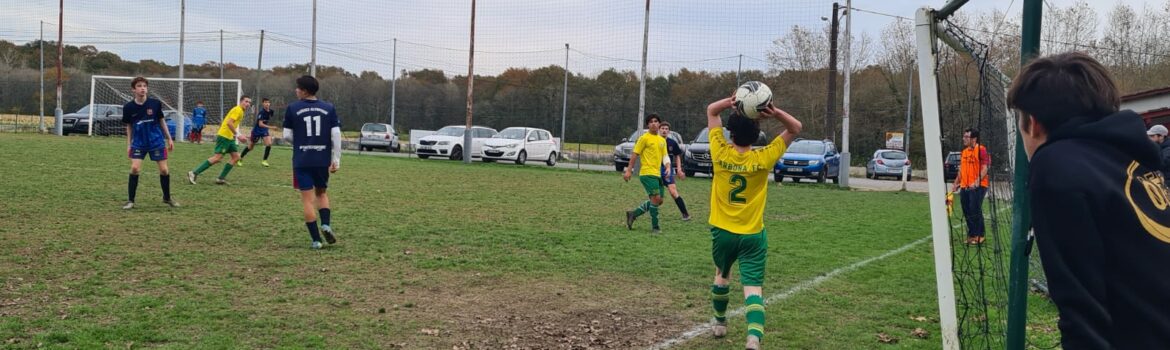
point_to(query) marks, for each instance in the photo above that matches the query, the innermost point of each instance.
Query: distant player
(738, 195)
(650, 148)
(225, 143)
(673, 170)
(198, 120)
(146, 133)
(315, 132)
(260, 132)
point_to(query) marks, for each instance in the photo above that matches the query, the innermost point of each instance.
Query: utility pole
(642, 85)
(845, 163)
(182, 35)
(313, 59)
(221, 103)
(565, 99)
(831, 106)
(470, 88)
(42, 78)
(259, 70)
(393, 84)
(738, 69)
(60, 57)
(909, 114)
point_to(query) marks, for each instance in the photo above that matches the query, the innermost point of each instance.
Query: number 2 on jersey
(740, 184)
(309, 127)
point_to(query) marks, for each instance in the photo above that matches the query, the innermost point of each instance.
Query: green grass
(431, 254)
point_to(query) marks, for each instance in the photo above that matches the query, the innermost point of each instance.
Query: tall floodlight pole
(844, 180)
(42, 78)
(642, 85)
(182, 37)
(313, 59)
(393, 83)
(565, 97)
(60, 57)
(470, 88)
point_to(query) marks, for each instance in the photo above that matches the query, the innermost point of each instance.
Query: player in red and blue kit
(146, 134)
(315, 132)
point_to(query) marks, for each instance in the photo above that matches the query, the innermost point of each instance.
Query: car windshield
(451, 131)
(896, 155)
(953, 157)
(512, 134)
(374, 128)
(807, 147)
(83, 110)
(704, 136)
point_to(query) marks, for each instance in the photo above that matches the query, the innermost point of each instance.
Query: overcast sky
(697, 34)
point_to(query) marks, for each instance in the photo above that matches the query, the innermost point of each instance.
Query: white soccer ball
(751, 98)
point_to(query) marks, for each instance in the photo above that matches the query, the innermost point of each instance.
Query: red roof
(1147, 93)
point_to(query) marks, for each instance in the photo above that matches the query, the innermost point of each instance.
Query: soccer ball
(751, 98)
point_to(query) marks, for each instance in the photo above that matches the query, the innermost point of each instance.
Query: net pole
(182, 35)
(932, 137)
(1021, 213)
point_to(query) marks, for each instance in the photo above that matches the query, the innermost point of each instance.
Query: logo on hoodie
(1147, 193)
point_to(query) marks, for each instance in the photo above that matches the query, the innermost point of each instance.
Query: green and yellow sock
(719, 302)
(754, 305)
(642, 209)
(202, 167)
(653, 215)
(227, 168)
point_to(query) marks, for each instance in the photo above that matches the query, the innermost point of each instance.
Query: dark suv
(621, 152)
(107, 120)
(697, 157)
(951, 166)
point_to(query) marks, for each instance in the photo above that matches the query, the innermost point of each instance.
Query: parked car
(378, 135)
(107, 120)
(171, 115)
(518, 144)
(809, 159)
(887, 162)
(621, 152)
(697, 155)
(448, 142)
(951, 166)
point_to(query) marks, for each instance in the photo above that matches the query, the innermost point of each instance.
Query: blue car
(171, 123)
(809, 159)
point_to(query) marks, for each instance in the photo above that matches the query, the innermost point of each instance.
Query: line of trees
(602, 107)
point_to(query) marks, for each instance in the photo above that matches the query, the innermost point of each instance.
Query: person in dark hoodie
(1100, 211)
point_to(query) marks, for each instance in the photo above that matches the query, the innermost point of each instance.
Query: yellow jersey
(739, 188)
(650, 149)
(235, 116)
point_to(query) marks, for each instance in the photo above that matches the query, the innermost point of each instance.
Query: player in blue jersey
(146, 134)
(198, 120)
(260, 132)
(313, 128)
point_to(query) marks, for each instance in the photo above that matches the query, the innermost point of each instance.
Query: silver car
(887, 162)
(378, 135)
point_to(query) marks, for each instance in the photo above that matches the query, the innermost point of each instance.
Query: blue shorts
(157, 154)
(259, 133)
(668, 176)
(305, 179)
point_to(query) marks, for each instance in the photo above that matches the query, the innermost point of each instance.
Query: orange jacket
(971, 164)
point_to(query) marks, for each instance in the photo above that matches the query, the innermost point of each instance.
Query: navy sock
(132, 187)
(324, 213)
(266, 150)
(165, 181)
(682, 206)
(245, 154)
(313, 232)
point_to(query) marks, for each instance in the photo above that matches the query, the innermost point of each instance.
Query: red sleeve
(984, 159)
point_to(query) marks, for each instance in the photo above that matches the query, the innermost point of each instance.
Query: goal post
(109, 93)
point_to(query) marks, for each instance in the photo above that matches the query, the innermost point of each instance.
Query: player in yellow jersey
(738, 194)
(225, 143)
(650, 148)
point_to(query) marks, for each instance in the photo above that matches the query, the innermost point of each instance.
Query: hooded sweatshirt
(1102, 224)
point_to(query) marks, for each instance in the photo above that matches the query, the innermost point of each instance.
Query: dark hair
(243, 97)
(744, 131)
(134, 83)
(1060, 87)
(973, 131)
(198, 102)
(264, 100)
(662, 124)
(653, 116)
(308, 84)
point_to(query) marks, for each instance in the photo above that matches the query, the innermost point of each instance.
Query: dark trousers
(972, 202)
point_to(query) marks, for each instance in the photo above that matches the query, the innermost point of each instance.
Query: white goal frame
(180, 123)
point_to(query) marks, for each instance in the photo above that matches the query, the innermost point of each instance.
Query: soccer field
(431, 254)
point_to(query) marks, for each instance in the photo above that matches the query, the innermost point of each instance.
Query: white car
(448, 142)
(378, 135)
(518, 144)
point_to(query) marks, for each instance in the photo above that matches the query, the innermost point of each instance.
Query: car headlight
(514, 145)
(814, 162)
(444, 143)
(689, 154)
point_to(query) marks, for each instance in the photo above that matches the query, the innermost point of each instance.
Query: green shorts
(652, 185)
(751, 251)
(225, 145)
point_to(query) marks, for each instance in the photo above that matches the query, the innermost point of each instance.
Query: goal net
(109, 93)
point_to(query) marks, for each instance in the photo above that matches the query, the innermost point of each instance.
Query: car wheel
(522, 157)
(423, 156)
(869, 175)
(457, 153)
(689, 173)
(821, 179)
(776, 176)
(394, 149)
(619, 167)
(552, 159)
(489, 160)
